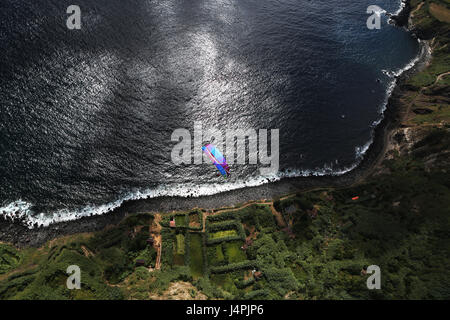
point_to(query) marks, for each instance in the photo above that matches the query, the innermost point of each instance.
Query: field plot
(226, 249)
(180, 220)
(179, 250)
(233, 251)
(226, 253)
(223, 234)
(215, 255)
(224, 231)
(196, 255)
(195, 220)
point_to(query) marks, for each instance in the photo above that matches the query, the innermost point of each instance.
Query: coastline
(20, 235)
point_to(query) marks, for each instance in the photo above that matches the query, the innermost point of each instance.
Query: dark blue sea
(86, 116)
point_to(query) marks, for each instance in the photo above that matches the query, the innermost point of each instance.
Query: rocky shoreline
(19, 235)
(402, 18)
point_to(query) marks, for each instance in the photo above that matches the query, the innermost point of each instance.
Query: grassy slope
(400, 222)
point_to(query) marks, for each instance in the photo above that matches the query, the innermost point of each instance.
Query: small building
(150, 241)
(140, 262)
(172, 222)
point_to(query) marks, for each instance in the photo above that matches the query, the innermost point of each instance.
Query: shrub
(248, 264)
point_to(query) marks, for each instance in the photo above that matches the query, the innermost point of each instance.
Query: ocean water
(86, 116)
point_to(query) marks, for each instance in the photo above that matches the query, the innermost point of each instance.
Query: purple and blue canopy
(217, 158)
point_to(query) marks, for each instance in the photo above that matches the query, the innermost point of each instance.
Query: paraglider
(218, 159)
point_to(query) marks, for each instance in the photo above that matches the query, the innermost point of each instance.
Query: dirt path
(204, 215)
(249, 204)
(238, 208)
(155, 232)
(417, 9)
(439, 77)
(277, 215)
(158, 258)
(87, 252)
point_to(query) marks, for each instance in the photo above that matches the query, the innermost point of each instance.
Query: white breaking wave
(22, 210)
(401, 7)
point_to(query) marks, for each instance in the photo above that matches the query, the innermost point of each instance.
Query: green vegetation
(215, 255)
(196, 255)
(179, 250)
(106, 258)
(9, 258)
(223, 234)
(48, 280)
(180, 220)
(148, 255)
(180, 244)
(233, 252)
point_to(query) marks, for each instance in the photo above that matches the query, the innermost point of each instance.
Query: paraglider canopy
(218, 159)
